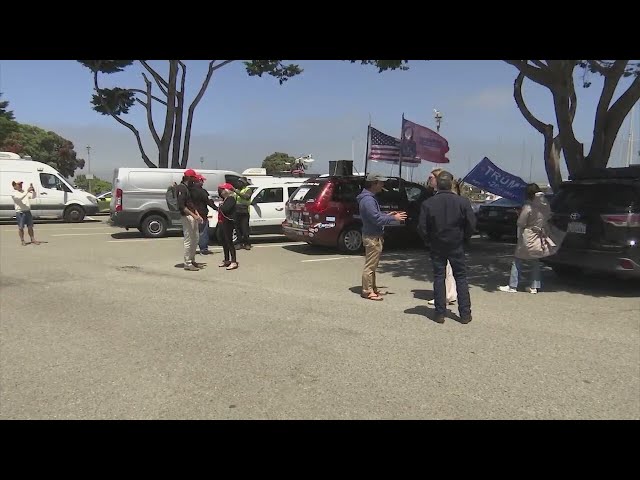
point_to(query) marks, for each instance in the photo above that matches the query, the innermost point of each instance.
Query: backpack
(172, 197)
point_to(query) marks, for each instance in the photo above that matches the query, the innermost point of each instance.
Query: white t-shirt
(22, 200)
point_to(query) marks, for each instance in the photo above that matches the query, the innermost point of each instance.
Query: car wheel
(154, 226)
(350, 240)
(494, 236)
(74, 214)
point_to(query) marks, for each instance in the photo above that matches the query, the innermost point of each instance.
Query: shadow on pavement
(489, 264)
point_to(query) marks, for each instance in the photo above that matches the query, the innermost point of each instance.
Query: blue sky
(324, 111)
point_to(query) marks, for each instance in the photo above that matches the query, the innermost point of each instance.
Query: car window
(392, 193)
(290, 191)
(601, 197)
(307, 191)
(346, 191)
(269, 195)
(414, 193)
(504, 202)
(52, 182)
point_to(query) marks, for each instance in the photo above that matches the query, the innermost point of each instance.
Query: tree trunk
(167, 134)
(177, 132)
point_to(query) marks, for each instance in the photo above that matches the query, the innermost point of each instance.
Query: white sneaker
(507, 289)
(533, 290)
(433, 302)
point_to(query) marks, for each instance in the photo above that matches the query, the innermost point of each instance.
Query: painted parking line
(79, 234)
(329, 259)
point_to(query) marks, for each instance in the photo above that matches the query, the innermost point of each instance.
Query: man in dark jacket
(373, 222)
(446, 221)
(201, 200)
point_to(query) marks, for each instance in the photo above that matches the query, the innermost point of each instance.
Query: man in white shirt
(22, 202)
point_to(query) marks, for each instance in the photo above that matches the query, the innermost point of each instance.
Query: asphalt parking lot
(99, 323)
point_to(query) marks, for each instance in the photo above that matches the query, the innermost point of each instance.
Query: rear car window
(307, 191)
(601, 197)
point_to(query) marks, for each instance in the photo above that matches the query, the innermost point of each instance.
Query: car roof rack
(628, 173)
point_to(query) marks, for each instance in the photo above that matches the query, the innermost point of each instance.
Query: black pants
(456, 258)
(224, 232)
(242, 224)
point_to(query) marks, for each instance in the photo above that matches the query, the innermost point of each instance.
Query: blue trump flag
(488, 177)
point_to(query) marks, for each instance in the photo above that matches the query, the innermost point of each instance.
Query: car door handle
(43, 193)
(279, 209)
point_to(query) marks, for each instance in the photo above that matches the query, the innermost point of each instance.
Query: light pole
(438, 117)
(88, 175)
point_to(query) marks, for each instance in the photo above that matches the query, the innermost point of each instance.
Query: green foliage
(278, 162)
(384, 65)
(113, 100)
(97, 185)
(106, 66)
(4, 113)
(43, 146)
(275, 68)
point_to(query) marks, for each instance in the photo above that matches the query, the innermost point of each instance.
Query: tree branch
(137, 90)
(177, 135)
(147, 106)
(540, 64)
(145, 158)
(537, 75)
(529, 117)
(192, 107)
(161, 82)
(611, 79)
(222, 64)
(169, 120)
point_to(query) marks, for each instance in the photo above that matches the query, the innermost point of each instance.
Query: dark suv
(324, 211)
(600, 211)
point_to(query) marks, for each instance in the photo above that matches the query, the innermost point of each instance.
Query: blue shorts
(24, 219)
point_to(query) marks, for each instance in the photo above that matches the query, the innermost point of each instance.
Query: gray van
(139, 197)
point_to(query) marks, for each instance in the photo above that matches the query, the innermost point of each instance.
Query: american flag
(385, 148)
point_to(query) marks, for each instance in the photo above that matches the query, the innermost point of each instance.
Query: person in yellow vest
(243, 203)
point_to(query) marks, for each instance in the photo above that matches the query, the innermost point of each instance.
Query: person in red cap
(191, 219)
(226, 225)
(201, 200)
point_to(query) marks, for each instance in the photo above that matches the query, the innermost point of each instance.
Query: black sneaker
(438, 318)
(465, 318)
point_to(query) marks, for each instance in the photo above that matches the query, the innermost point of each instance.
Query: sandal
(373, 296)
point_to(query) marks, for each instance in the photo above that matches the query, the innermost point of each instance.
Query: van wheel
(74, 214)
(350, 240)
(154, 226)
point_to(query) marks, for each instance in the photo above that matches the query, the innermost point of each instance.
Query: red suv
(324, 211)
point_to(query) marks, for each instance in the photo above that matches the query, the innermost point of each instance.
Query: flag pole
(401, 145)
(366, 150)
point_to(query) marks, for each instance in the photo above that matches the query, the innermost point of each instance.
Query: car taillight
(118, 200)
(321, 203)
(622, 220)
(626, 264)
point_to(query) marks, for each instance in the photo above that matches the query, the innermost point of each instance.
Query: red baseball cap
(200, 177)
(225, 186)
(190, 173)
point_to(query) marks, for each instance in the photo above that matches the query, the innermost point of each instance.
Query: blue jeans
(203, 241)
(516, 271)
(459, 267)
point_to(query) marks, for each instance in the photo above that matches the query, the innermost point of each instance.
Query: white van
(139, 197)
(54, 198)
(268, 202)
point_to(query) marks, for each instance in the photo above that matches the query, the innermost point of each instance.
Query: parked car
(104, 197)
(324, 211)
(267, 211)
(499, 218)
(600, 211)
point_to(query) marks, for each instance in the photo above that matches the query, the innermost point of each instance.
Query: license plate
(493, 213)
(576, 227)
